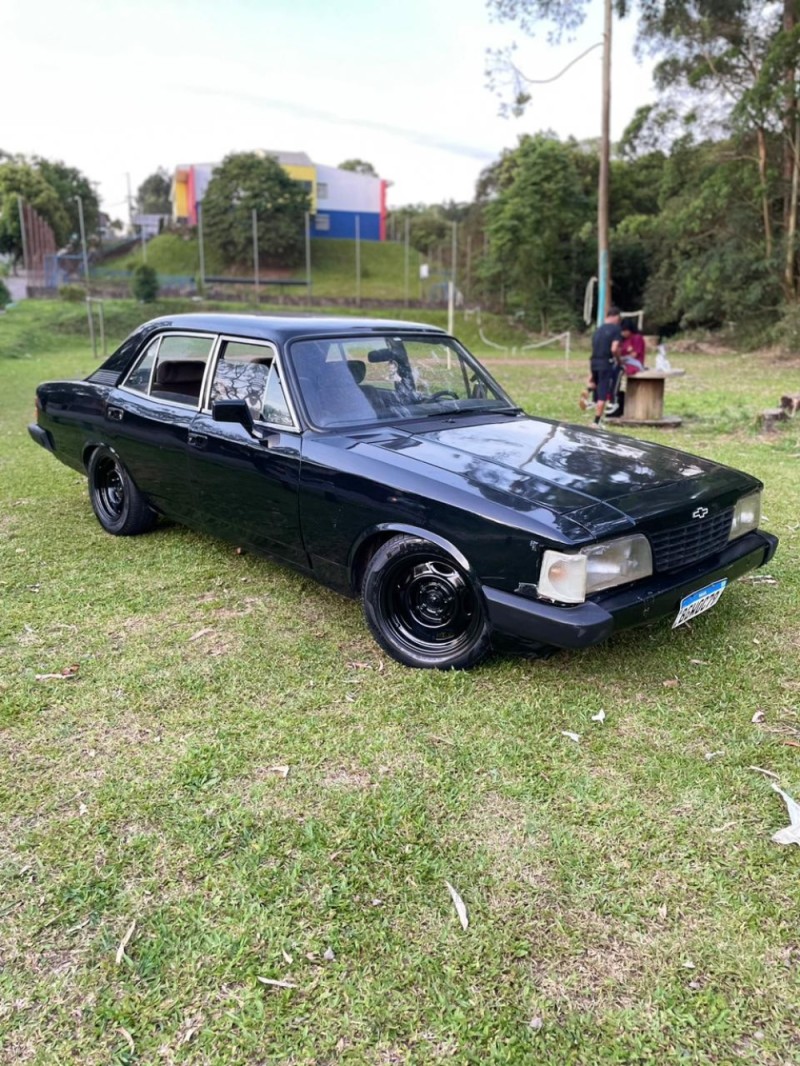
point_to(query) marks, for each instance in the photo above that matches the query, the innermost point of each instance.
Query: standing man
(603, 365)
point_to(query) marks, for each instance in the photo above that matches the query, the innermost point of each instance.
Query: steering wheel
(441, 394)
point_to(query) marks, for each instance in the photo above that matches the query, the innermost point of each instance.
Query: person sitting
(630, 360)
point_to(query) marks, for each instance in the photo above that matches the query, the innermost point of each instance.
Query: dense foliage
(705, 185)
(50, 188)
(248, 182)
(153, 195)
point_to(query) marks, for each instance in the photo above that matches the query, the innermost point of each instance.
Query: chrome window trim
(154, 341)
(213, 338)
(222, 338)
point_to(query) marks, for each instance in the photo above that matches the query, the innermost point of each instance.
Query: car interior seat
(179, 380)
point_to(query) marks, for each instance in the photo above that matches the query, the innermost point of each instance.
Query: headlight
(570, 578)
(746, 515)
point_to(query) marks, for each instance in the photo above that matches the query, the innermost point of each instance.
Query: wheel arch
(90, 447)
(371, 539)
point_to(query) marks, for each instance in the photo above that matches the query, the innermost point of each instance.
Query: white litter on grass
(791, 833)
(461, 909)
(712, 755)
(759, 716)
(124, 942)
(572, 736)
(599, 717)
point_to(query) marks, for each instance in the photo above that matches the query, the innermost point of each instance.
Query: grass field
(626, 902)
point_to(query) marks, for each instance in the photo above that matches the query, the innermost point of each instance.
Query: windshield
(363, 380)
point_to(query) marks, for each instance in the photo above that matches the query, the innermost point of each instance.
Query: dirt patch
(343, 778)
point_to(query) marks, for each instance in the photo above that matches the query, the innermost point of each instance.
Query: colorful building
(342, 201)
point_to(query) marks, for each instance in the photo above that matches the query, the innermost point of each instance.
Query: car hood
(597, 480)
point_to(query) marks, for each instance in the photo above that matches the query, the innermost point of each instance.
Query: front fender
(382, 528)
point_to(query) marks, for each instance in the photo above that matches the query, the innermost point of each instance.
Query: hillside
(333, 266)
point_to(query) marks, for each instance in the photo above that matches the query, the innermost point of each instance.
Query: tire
(119, 506)
(422, 608)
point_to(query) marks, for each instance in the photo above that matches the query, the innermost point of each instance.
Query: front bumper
(533, 621)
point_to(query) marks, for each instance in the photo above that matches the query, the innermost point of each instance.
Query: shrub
(73, 294)
(5, 295)
(145, 283)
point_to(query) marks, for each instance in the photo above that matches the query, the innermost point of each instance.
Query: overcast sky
(117, 87)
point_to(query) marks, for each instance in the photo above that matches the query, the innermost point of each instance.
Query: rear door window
(172, 367)
(180, 368)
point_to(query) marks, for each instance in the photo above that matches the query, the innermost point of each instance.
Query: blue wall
(343, 224)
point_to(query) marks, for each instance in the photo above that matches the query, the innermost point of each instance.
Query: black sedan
(382, 458)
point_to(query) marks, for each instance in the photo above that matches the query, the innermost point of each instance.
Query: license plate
(697, 602)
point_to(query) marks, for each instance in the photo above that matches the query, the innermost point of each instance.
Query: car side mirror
(232, 411)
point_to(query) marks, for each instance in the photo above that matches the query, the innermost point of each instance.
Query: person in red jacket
(630, 361)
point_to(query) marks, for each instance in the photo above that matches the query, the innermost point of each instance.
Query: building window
(323, 223)
(322, 190)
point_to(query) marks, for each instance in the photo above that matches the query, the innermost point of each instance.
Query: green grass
(170, 253)
(333, 266)
(626, 902)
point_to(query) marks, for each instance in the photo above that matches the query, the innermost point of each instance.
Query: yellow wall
(181, 202)
(300, 173)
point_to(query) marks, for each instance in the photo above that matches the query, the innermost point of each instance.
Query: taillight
(37, 408)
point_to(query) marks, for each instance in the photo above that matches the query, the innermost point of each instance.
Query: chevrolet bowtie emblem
(700, 512)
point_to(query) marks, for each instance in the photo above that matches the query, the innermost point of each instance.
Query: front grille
(675, 548)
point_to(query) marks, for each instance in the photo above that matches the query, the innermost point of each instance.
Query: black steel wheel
(119, 506)
(423, 608)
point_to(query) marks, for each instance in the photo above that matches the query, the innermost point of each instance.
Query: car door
(148, 418)
(246, 482)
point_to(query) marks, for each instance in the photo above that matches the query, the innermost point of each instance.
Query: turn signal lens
(746, 515)
(563, 577)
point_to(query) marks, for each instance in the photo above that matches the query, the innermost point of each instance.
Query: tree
(20, 180)
(153, 195)
(533, 226)
(248, 182)
(68, 183)
(359, 166)
(565, 16)
(737, 61)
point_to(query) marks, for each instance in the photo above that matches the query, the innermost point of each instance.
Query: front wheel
(119, 506)
(422, 608)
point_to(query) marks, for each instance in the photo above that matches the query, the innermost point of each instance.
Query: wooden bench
(644, 399)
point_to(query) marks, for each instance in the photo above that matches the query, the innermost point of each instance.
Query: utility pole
(202, 247)
(452, 291)
(308, 254)
(255, 253)
(130, 203)
(406, 260)
(358, 260)
(86, 275)
(23, 235)
(603, 265)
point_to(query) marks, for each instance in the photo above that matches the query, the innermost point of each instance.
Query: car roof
(284, 327)
(276, 328)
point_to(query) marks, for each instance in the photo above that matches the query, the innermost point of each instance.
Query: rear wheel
(423, 608)
(119, 506)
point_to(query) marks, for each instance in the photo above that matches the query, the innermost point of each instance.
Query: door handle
(198, 440)
(115, 413)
